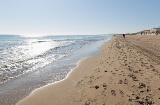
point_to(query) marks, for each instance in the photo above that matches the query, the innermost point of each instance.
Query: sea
(28, 63)
(20, 55)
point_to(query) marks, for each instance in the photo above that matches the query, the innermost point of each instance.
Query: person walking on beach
(123, 35)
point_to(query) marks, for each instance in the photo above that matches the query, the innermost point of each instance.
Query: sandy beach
(126, 72)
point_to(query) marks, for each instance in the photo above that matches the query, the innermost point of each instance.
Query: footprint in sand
(120, 82)
(141, 85)
(113, 92)
(105, 86)
(133, 77)
(148, 89)
(136, 71)
(114, 74)
(151, 66)
(96, 87)
(87, 103)
(116, 69)
(125, 81)
(121, 92)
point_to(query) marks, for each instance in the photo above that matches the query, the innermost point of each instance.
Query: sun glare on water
(36, 47)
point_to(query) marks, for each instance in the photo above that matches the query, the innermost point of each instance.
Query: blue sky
(72, 17)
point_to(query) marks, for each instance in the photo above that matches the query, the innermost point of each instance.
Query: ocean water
(20, 55)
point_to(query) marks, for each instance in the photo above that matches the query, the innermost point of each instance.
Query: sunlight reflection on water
(36, 47)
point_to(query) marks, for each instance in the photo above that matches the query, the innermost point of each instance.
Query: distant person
(123, 35)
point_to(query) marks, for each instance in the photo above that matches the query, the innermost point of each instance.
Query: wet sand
(126, 72)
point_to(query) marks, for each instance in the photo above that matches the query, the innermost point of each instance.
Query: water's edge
(20, 87)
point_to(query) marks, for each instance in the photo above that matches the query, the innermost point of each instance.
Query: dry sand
(126, 72)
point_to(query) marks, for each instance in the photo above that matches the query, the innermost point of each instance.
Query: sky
(77, 17)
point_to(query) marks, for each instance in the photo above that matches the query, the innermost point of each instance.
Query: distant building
(144, 32)
(155, 31)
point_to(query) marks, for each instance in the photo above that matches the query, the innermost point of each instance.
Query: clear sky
(70, 17)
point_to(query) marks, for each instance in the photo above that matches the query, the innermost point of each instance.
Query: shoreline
(18, 88)
(124, 72)
(70, 74)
